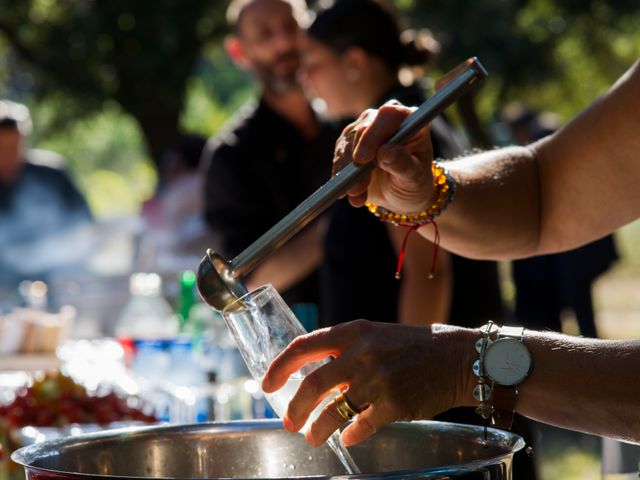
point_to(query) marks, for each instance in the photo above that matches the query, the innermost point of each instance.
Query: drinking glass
(263, 325)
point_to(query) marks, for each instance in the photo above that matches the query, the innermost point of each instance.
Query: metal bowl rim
(24, 455)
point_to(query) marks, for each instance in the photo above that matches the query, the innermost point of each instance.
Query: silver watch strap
(512, 332)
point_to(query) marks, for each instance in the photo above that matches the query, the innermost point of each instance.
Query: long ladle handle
(321, 199)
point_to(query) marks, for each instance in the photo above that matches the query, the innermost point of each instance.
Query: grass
(566, 455)
(572, 463)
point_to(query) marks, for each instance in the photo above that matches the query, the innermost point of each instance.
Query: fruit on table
(56, 400)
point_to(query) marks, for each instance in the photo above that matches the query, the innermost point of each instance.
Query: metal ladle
(219, 281)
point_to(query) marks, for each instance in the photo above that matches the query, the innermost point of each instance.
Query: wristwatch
(506, 363)
(507, 360)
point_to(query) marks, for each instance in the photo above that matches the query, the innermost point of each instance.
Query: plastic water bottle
(147, 315)
(149, 368)
(188, 384)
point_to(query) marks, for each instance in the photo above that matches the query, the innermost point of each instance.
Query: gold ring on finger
(346, 410)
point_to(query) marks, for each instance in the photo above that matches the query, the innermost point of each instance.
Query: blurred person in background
(176, 233)
(548, 285)
(273, 155)
(353, 66)
(38, 205)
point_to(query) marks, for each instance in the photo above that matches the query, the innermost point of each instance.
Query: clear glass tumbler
(263, 325)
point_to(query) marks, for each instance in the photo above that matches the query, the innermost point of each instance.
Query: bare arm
(590, 170)
(496, 209)
(423, 300)
(581, 384)
(566, 190)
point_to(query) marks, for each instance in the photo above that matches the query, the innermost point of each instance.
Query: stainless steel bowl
(262, 449)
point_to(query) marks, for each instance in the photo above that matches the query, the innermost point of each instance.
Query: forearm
(420, 306)
(407, 372)
(582, 384)
(495, 213)
(564, 191)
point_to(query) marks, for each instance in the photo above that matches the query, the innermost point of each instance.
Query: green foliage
(555, 55)
(104, 152)
(599, 41)
(140, 54)
(215, 93)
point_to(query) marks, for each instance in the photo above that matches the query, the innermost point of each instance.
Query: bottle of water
(147, 315)
(188, 384)
(149, 367)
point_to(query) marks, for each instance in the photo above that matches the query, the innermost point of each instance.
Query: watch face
(507, 361)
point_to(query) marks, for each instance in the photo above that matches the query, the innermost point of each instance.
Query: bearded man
(273, 154)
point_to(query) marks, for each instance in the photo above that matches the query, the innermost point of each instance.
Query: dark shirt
(40, 203)
(257, 172)
(358, 276)
(548, 284)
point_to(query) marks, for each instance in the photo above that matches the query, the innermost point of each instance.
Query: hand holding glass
(263, 325)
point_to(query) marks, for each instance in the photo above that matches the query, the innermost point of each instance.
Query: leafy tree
(140, 54)
(217, 91)
(554, 52)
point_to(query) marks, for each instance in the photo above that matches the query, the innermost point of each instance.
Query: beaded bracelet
(444, 190)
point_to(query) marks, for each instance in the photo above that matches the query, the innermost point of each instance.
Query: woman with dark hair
(362, 41)
(353, 55)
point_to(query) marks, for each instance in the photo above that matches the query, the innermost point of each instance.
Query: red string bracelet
(444, 189)
(436, 246)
